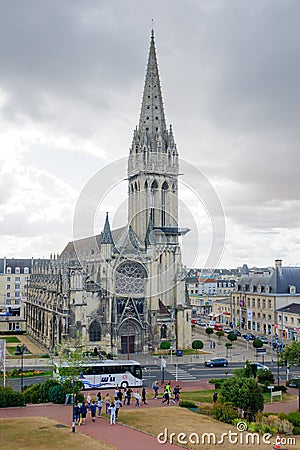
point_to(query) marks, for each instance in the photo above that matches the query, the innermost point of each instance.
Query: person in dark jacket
(83, 411)
(93, 410)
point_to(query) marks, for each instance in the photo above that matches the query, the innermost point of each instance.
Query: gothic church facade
(123, 290)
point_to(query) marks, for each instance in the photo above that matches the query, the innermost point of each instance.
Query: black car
(249, 336)
(237, 332)
(216, 362)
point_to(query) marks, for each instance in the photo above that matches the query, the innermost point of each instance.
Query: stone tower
(153, 165)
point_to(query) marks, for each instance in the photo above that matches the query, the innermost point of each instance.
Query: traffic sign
(261, 350)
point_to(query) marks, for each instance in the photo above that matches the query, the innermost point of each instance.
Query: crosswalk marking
(181, 374)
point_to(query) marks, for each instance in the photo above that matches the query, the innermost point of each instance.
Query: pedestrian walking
(116, 393)
(155, 388)
(76, 413)
(137, 398)
(93, 410)
(128, 393)
(88, 402)
(120, 395)
(168, 388)
(99, 405)
(107, 402)
(125, 396)
(215, 397)
(83, 411)
(166, 397)
(112, 412)
(118, 405)
(144, 393)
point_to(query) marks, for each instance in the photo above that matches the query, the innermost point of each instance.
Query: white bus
(103, 374)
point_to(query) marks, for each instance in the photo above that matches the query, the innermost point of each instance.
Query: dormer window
(8, 270)
(292, 289)
(259, 289)
(267, 289)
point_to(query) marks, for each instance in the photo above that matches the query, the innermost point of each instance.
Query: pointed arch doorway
(130, 333)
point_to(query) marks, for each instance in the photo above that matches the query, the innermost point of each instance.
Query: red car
(218, 327)
(195, 320)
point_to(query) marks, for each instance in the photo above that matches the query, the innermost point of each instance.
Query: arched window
(164, 189)
(163, 332)
(95, 331)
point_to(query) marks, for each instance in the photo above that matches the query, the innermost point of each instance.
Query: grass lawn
(180, 420)
(41, 433)
(11, 339)
(198, 396)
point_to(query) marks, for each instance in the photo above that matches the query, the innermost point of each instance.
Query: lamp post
(22, 349)
(171, 350)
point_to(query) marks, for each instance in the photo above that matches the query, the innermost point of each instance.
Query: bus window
(138, 371)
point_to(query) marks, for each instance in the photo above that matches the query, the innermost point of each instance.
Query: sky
(71, 82)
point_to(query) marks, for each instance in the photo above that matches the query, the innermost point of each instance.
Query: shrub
(265, 376)
(187, 404)
(9, 397)
(165, 345)
(294, 417)
(293, 383)
(225, 412)
(297, 430)
(57, 394)
(217, 382)
(278, 425)
(45, 387)
(32, 393)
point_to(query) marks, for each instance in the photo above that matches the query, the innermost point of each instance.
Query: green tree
(257, 343)
(290, 354)
(197, 345)
(244, 393)
(232, 336)
(209, 331)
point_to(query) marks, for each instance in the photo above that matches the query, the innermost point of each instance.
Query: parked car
(263, 339)
(195, 321)
(249, 336)
(202, 324)
(218, 327)
(227, 330)
(216, 362)
(237, 332)
(259, 365)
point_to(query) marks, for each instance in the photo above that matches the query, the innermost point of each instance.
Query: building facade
(123, 290)
(260, 295)
(14, 276)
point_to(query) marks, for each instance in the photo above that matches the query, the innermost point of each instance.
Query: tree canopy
(197, 345)
(244, 393)
(291, 354)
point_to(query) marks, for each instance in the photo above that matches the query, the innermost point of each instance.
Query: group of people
(167, 395)
(111, 406)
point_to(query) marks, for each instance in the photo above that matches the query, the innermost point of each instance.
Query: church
(123, 290)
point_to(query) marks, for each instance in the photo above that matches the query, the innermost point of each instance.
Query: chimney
(278, 265)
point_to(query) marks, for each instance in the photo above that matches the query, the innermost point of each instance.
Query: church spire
(152, 117)
(106, 236)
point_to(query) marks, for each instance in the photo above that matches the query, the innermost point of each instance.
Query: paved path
(121, 436)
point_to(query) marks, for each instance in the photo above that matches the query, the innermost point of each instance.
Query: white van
(211, 323)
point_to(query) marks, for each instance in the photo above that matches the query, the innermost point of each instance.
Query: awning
(226, 313)
(214, 315)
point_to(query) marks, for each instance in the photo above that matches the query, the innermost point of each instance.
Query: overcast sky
(71, 83)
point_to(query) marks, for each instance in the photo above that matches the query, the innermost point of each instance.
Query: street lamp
(22, 349)
(171, 350)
